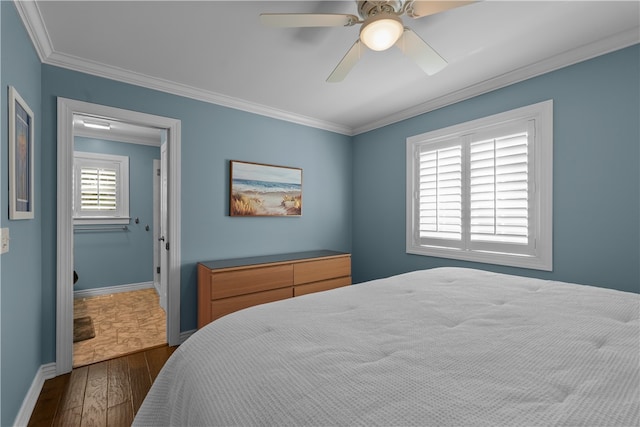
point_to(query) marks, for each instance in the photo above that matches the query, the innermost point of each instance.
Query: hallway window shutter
(100, 188)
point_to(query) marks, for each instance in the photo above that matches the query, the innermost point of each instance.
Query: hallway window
(100, 188)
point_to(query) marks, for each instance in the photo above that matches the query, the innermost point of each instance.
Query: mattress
(439, 347)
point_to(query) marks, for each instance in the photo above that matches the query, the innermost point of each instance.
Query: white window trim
(121, 215)
(541, 170)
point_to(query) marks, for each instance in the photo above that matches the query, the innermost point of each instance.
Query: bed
(438, 347)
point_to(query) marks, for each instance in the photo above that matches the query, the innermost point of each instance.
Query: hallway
(123, 322)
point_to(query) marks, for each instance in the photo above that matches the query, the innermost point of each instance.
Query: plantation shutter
(482, 191)
(440, 194)
(98, 189)
(500, 190)
(474, 191)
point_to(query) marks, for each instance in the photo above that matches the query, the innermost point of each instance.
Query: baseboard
(29, 403)
(186, 334)
(85, 293)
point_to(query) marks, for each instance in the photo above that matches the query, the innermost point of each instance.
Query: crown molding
(32, 18)
(34, 24)
(138, 79)
(565, 59)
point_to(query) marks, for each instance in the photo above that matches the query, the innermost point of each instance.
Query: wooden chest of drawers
(225, 286)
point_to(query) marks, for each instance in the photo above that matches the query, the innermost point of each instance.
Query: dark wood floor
(107, 393)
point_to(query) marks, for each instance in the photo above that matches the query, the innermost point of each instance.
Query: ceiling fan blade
(417, 49)
(420, 8)
(307, 19)
(347, 63)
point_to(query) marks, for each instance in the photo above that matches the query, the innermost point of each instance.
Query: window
(100, 188)
(482, 190)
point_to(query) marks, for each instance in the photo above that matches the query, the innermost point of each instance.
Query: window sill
(522, 261)
(102, 221)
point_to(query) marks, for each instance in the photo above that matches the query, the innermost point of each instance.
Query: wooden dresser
(229, 285)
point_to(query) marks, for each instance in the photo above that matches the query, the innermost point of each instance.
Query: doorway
(67, 109)
(119, 306)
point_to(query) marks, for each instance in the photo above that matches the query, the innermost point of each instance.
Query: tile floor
(124, 323)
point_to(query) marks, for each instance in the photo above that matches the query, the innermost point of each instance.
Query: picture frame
(21, 155)
(258, 189)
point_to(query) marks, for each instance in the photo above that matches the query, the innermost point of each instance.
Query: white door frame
(64, 257)
(164, 221)
(156, 228)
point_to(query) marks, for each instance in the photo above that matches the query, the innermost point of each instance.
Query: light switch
(4, 240)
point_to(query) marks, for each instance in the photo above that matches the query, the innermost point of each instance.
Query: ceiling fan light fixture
(381, 31)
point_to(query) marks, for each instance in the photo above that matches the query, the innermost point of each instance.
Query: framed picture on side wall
(264, 190)
(21, 171)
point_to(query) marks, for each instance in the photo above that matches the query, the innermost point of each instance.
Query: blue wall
(21, 280)
(596, 215)
(211, 136)
(128, 255)
(354, 188)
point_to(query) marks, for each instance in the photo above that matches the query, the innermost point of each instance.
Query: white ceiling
(118, 131)
(218, 51)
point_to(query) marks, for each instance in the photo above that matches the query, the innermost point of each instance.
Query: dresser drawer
(239, 282)
(315, 271)
(222, 307)
(228, 285)
(324, 285)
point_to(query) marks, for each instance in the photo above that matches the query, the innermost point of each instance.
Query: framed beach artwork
(21, 171)
(264, 190)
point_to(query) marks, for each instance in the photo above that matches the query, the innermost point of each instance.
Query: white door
(163, 243)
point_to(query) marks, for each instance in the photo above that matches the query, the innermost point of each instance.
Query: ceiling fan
(382, 28)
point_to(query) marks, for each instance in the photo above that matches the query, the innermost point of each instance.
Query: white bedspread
(441, 347)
